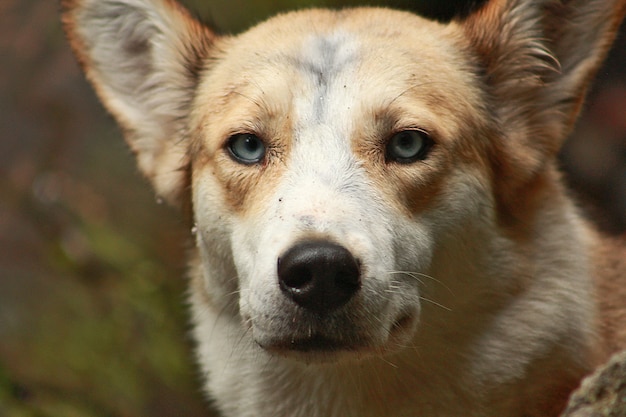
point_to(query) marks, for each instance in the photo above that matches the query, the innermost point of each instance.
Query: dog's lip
(403, 323)
(403, 328)
(323, 344)
(312, 344)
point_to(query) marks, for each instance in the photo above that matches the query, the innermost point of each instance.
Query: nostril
(320, 276)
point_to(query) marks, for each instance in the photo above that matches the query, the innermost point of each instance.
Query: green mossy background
(93, 319)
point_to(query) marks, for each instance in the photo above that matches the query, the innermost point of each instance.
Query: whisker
(411, 88)
(251, 100)
(435, 303)
(418, 275)
(388, 362)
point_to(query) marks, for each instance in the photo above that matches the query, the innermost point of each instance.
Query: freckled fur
(483, 292)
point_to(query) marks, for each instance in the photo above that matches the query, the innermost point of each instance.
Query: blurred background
(92, 271)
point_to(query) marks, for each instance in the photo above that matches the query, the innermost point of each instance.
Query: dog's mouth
(329, 345)
(318, 349)
(313, 344)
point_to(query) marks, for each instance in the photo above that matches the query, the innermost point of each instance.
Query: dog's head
(339, 165)
(329, 161)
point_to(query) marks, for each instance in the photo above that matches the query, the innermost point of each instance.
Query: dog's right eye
(246, 148)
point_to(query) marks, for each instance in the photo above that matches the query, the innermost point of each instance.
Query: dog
(380, 225)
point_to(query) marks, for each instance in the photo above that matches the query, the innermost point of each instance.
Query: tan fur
(610, 264)
(481, 291)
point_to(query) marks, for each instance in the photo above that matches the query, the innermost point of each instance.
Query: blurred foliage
(92, 288)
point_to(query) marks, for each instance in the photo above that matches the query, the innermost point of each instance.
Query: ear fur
(538, 57)
(143, 58)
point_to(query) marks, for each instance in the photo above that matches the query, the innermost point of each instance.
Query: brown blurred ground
(92, 315)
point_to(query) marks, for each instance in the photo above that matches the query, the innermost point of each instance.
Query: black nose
(319, 276)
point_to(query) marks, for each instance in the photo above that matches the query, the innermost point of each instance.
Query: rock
(602, 394)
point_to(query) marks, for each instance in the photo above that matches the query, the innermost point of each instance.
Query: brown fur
(610, 258)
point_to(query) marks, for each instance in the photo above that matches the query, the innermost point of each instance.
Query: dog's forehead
(310, 64)
(324, 41)
(327, 54)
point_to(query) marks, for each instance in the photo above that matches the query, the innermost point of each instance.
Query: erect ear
(539, 57)
(143, 58)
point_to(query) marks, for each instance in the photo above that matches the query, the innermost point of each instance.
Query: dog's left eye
(246, 148)
(408, 146)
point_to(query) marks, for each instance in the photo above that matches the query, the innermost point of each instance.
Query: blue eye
(246, 148)
(408, 146)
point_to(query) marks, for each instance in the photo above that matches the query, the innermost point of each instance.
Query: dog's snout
(319, 276)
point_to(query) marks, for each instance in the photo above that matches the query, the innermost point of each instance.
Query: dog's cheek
(212, 230)
(237, 183)
(245, 188)
(409, 190)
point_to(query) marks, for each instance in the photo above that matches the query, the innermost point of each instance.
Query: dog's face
(333, 163)
(351, 174)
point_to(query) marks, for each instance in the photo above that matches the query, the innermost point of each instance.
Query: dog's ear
(144, 58)
(538, 58)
